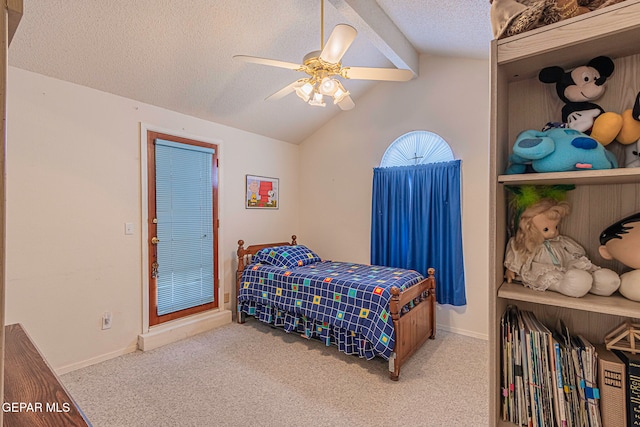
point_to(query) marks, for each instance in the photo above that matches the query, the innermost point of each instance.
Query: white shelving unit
(520, 102)
(11, 15)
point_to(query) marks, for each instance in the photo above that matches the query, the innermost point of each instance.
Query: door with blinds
(183, 226)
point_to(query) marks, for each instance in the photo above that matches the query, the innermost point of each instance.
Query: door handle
(155, 240)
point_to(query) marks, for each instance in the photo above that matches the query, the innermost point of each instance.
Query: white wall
(74, 171)
(74, 179)
(450, 98)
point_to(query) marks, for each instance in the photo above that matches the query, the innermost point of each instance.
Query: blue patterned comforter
(343, 303)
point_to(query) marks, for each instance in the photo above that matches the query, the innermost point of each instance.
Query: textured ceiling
(177, 54)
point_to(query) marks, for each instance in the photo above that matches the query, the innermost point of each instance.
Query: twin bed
(365, 310)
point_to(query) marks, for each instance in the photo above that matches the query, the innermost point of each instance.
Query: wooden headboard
(245, 254)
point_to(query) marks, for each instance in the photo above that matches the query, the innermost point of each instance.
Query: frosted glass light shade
(317, 100)
(305, 91)
(328, 86)
(340, 93)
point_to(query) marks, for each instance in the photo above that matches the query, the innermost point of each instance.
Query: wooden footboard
(416, 324)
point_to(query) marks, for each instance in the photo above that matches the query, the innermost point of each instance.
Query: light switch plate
(128, 228)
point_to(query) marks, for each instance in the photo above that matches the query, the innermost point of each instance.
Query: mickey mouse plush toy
(578, 88)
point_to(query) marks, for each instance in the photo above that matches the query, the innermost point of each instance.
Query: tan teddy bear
(511, 17)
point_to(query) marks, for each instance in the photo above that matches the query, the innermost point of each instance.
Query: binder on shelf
(527, 418)
(588, 381)
(515, 383)
(612, 385)
(632, 382)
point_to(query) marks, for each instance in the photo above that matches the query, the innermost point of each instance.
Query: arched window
(416, 148)
(416, 219)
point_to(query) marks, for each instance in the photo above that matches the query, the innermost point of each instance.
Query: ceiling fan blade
(266, 61)
(285, 90)
(346, 103)
(338, 43)
(388, 74)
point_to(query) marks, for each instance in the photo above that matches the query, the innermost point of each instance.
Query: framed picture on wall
(261, 192)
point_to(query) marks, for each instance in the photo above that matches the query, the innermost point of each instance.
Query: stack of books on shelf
(548, 378)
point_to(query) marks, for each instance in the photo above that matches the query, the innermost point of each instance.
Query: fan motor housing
(314, 66)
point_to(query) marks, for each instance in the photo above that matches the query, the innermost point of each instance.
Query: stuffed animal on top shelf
(578, 89)
(558, 150)
(621, 241)
(542, 259)
(510, 17)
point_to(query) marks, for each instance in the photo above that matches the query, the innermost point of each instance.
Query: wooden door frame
(151, 136)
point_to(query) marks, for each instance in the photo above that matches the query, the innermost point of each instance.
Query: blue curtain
(416, 224)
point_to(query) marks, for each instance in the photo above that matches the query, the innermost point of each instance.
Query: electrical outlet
(226, 297)
(106, 320)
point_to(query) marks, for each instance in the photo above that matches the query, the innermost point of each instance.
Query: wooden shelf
(615, 305)
(595, 177)
(613, 31)
(29, 379)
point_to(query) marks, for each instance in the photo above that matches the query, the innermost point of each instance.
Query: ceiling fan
(324, 65)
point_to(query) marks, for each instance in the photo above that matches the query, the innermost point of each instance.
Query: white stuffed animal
(621, 241)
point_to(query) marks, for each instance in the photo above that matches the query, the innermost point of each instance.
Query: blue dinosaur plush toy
(558, 150)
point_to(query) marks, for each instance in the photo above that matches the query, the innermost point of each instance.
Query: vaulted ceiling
(178, 54)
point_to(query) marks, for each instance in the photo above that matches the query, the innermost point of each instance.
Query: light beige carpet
(253, 375)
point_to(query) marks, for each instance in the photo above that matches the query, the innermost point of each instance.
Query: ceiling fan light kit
(313, 91)
(323, 65)
(321, 82)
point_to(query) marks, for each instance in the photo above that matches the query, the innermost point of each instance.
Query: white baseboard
(462, 332)
(182, 328)
(159, 336)
(92, 361)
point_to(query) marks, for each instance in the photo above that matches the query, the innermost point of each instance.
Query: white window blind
(417, 148)
(185, 226)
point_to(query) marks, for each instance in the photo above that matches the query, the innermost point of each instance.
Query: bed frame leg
(394, 371)
(241, 317)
